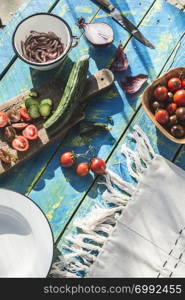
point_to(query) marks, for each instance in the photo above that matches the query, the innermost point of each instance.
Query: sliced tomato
(19, 126)
(24, 114)
(20, 143)
(30, 132)
(3, 119)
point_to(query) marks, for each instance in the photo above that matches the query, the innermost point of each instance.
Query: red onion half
(98, 34)
(132, 84)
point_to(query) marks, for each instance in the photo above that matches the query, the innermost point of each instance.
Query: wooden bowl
(148, 96)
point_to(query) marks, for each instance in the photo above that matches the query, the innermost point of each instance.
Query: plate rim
(51, 231)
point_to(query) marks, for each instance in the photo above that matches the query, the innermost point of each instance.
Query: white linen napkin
(140, 232)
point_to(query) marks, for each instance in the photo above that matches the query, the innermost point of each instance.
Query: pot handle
(76, 41)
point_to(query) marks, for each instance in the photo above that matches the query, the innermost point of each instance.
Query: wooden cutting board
(178, 3)
(53, 89)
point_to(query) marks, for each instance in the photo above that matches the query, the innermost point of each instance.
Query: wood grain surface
(60, 193)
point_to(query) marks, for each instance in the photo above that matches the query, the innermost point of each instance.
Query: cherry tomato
(162, 116)
(82, 169)
(30, 132)
(20, 143)
(179, 98)
(98, 166)
(19, 126)
(183, 83)
(161, 93)
(14, 115)
(3, 119)
(67, 159)
(171, 108)
(174, 84)
(24, 114)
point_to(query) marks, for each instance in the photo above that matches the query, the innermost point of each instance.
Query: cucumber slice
(30, 101)
(34, 111)
(45, 110)
(33, 94)
(47, 101)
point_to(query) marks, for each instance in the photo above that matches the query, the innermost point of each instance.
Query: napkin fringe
(81, 250)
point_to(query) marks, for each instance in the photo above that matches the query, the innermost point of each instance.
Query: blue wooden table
(61, 194)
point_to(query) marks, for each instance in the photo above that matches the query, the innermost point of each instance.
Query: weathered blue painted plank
(70, 193)
(21, 77)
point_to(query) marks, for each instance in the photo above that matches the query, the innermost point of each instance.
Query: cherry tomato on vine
(82, 169)
(162, 116)
(98, 166)
(67, 159)
(161, 93)
(174, 84)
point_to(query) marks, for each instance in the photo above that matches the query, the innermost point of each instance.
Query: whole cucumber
(71, 96)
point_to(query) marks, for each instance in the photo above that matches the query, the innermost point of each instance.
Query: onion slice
(120, 62)
(98, 34)
(132, 85)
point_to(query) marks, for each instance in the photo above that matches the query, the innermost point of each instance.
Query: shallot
(120, 63)
(98, 34)
(132, 84)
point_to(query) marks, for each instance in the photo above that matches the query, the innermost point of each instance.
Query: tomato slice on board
(3, 119)
(19, 126)
(20, 143)
(30, 132)
(24, 114)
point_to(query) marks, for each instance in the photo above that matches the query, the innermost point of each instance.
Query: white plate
(26, 240)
